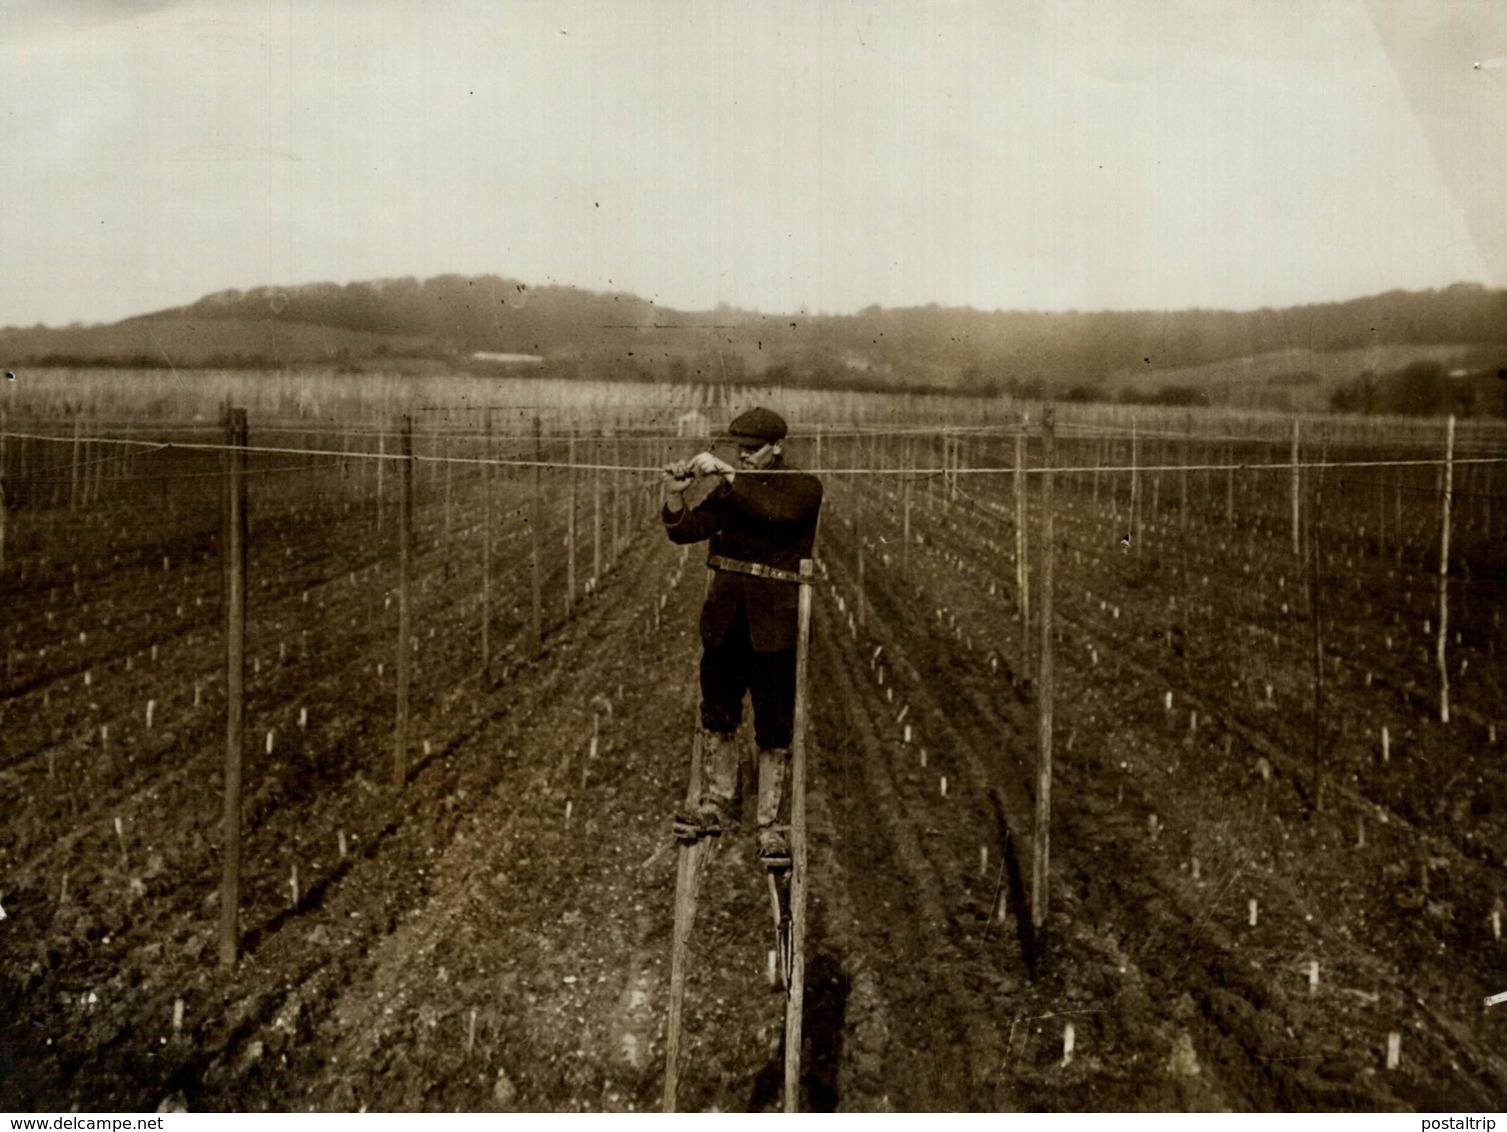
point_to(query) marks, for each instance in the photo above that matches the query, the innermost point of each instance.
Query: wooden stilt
(688, 873)
(796, 985)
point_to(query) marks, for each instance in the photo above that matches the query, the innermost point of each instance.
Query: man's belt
(757, 570)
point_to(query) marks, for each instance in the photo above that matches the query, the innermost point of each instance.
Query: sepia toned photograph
(630, 556)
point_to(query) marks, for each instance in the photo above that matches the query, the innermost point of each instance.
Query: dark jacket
(767, 519)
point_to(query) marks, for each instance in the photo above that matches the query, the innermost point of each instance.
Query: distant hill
(448, 320)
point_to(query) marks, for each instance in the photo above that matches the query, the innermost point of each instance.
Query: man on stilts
(761, 521)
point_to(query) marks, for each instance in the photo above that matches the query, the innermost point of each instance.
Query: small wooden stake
(1386, 746)
(293, 883)
(1067, 1045)
(340, 836)
(1394, 1049)
(1253, 911)
(1313, 976)
(177, 1015)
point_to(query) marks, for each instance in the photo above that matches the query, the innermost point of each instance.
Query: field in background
(1269, 855)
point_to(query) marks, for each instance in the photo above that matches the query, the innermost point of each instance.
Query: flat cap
(759, 425)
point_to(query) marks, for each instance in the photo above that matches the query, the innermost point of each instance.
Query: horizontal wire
(913, 472)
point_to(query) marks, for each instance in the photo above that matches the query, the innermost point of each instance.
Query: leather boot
(774, 850)
(719, 782)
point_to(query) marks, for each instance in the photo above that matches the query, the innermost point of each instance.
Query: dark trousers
(733, 668)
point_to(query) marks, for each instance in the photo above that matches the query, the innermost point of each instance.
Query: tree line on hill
(1074, 354)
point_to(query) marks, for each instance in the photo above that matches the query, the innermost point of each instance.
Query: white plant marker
(907, 733)
(177, 1015)
(1195, 868)
(1253, 908)
(340, 836)
(151, 710)
(1313, 976)
(303, 717)
(1394, 1049)
(1496, 924)
(1386, 745)
(944, 786)
(1068, 1038)
(923, 756)
(1167, 701)
(269, 742)
(983, 860)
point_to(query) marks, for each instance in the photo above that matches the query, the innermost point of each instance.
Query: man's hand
(677, 477)
(705, 464)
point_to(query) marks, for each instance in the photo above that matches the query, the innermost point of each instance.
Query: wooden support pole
(73, 468)
(381, 470)
(570, 528)
(405, 604)
(1444, 517)
(2, 489)
(1135, 489)
(1229, 487)
(596, 514)
(1022, 572)
(856, 493)
(1315, 606)
(615, 501)
(488, 478)
(1297, 487)
(1044, 688)
(799, 880)
(536, 523)
(235, 680)
(909, 458)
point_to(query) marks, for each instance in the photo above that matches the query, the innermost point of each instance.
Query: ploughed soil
(1236, 916)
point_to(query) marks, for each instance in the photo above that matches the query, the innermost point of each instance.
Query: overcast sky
(810, 155)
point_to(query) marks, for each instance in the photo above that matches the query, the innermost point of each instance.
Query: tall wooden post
(909, 464)
(1297, 480)
(570, 528)
(381, 470)
(596, 514)
(614, 501)
(3, 470)
(488, 476)
(235, 680)
(1044, 686)
(73, 470)
(405, 604)
(1449, 494)
(536, 522)
(856, 493)
(799, 881)
(1229, 488)
(1315, 551)
(1022, 574)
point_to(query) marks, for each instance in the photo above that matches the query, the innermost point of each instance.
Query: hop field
(1259, 654)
